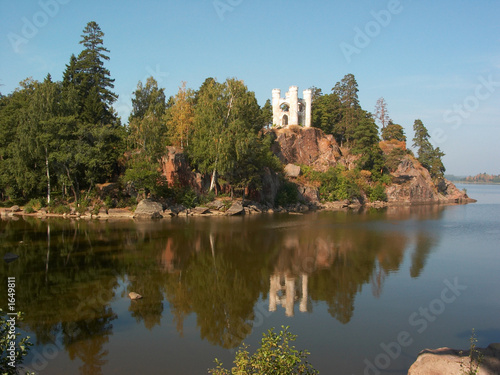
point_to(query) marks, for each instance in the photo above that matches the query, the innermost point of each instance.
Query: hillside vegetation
(61, 139)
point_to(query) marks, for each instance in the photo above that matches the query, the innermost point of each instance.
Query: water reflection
(69, 273)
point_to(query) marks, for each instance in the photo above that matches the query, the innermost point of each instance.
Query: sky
(438, 61)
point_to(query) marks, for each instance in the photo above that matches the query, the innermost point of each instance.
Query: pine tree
(327, 113)
(91, 79)
(429, 157)
(347, 92)
(366, 143)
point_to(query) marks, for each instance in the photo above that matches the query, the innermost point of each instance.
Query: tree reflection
(68, 272)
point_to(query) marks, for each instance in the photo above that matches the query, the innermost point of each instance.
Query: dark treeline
(59, 139)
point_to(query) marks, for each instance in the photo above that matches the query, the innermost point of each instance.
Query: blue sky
(434, 60)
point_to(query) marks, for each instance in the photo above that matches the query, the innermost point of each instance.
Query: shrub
(61, 209)
(33, 205)
(287, 194)
(22, 346)
(96, 208)
(475, 358)
(378, 193)
(82, 205)
(275, 356)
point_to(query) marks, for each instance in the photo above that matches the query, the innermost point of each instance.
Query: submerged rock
(134, 296)
(9, 257)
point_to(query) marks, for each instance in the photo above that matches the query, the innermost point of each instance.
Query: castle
(291, 110)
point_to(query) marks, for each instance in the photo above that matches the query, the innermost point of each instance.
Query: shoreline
(217, 209)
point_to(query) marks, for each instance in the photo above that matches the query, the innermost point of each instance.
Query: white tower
(276, 107)
(291, 110)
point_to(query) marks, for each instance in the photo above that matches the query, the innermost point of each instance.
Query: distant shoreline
(475, 182)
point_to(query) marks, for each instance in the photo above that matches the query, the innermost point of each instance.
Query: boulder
(446, 361)
(216, 204)
(148, 209)
(308, 194)
(15, 208)
(197, 211)
(235, 209)
(292, 170)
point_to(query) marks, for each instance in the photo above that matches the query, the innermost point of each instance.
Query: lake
(365, 292)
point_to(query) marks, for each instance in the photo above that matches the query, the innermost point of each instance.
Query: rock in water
(133, 296)
(9, 257)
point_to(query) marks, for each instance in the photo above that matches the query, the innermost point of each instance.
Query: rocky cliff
(296, 146)
(411, 182)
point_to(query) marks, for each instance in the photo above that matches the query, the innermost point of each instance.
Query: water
(364, 292)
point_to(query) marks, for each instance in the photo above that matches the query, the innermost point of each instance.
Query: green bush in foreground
(275, 356)
(6, 337)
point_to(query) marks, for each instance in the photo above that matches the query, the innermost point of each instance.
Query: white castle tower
(291, 110)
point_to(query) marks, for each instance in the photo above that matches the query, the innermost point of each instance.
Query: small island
(65, 151)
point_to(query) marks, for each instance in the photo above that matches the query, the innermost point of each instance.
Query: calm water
(360, 289)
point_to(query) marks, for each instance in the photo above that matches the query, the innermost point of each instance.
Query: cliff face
(411, 182)
(307, 146)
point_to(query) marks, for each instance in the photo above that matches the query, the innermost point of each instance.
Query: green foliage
(287, 194)
(60, 209)
(59, 135)
(225, 141)
(82, 205)
(34, 205)
(393, 131)
(91, 80)
(394, 158)
(96, 208)
(347, 92)
(22, 345)
(335, 184)
(475, 358)
(327, 113)
(378, 193)
(187, 197)
(267, 113)
(109, 202)
(429, 156)
(275, 356)
(146, 176)
(146, 127)
(366, 143)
